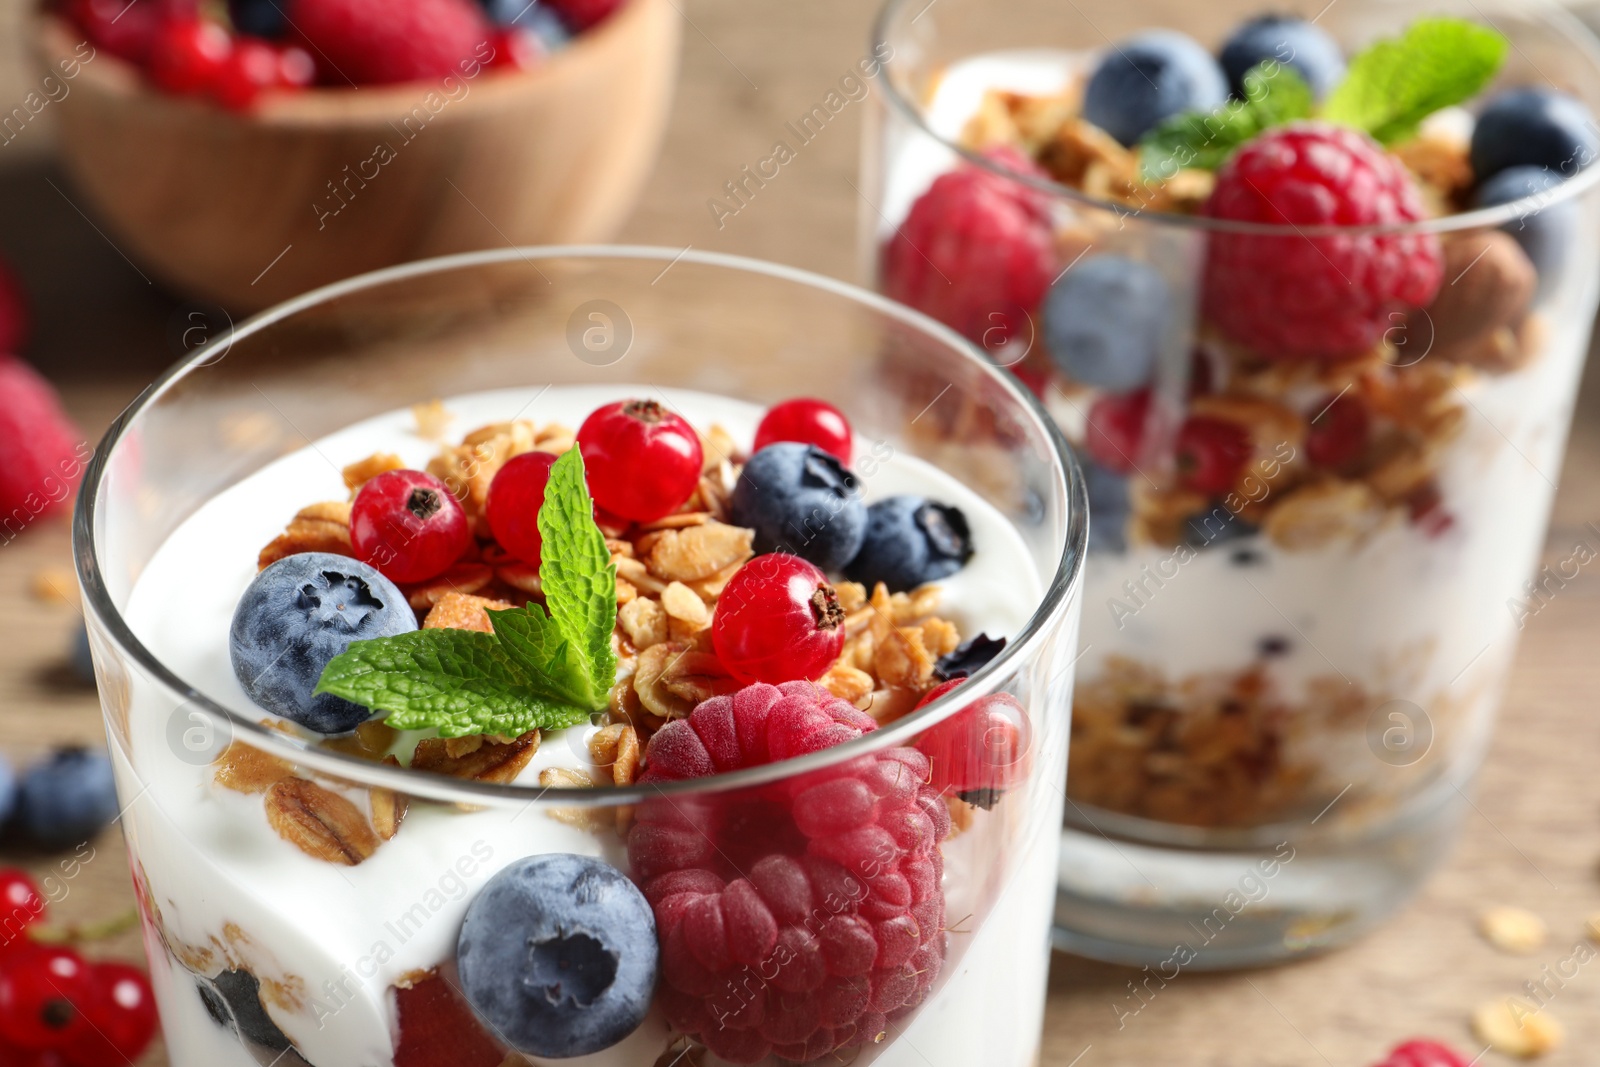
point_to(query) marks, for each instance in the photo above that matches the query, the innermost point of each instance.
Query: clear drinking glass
(1287, 683)
(365, 976)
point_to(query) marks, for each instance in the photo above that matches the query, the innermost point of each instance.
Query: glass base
(1279, 896)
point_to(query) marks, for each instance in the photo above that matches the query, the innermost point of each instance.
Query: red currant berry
(12, 1056)
(981, 751)
(251, 69)
(1427, 511)
(810, 422)
(1421, 1052)
(21, 905)
(1212, 453)
(1339, 432)
(296, 68)
(188, 55)
(408, 525)
(40, 987)
(778, 620)
(515, 497)
(643, 461)
(1115, 430)
(120, 1015)
(517, 49)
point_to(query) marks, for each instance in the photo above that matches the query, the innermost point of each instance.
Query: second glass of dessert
(513, 660)
(1310, 296)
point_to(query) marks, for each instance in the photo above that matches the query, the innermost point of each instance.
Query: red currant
(21, 905)
(120, 1015)
(1421, 1052)
(810, 422)
(778, 620)
(981, 751)
(40, 987)
(408, 525)
(1339, 432)
(12, 1056)
(1212, 453)
(126, 30)
(188, 55)
(515, 497)
(517, 49)
(251, 69)
(1116, 430)
(643, 461)
(296, 68)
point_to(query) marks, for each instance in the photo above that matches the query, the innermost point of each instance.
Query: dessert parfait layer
(1311, 302)
(603, 595)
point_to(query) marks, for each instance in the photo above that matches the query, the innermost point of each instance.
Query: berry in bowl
(570, 716)
(247, 152)
(1309, 298)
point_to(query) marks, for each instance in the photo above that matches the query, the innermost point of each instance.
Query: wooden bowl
(317, 186)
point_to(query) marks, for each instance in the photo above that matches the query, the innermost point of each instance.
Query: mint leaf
(1395, 84)
(530, 637)
(578, 577)
(456, 681)
(1274, 95)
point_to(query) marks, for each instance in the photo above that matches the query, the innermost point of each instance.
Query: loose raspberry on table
(378, 42)
(976, 252)
(802, 918)
(1421, 1052)
(1316, 296)
(41, 452)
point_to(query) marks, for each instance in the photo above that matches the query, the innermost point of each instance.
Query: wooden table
(748, 67)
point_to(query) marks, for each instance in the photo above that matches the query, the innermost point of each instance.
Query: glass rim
(1567, 25)
(1055, 602)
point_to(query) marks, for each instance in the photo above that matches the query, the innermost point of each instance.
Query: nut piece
(320, 822)
(1488, 285)
(680, 602)
(848, 683)
(464, 578)
(249, 770)
(462, 611)
(363, 471)
(431, 418)
(388, 807)
(318, 528)
(693, 553)
(491, 762)
(1517, 1028)
(1514, 930)
(644, 622)
(1322, 514)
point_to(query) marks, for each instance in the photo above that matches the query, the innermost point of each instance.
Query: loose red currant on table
(515, 497)
(1338, 433)
(39, 988)
(1420, 1052)
(810, 422)
(120, 1017)
(778, 620)
(1115, 430)
(188, 55)
(21, 905)
(643, 461)
(408, 525)
(980, 752)
(1211, 453)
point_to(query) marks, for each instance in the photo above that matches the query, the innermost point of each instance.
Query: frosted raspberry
(976, 252)
(41, 453)
(378, 42)
(801, 918)
(1316, 296)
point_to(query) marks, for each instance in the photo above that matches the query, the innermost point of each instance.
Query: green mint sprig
(1387, 92)
(545, 669)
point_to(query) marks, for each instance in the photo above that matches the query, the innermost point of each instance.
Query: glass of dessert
(623, 656)
(1310, 297)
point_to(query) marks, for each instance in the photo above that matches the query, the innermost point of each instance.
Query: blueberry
(1292, 41)
(259, 18)
(8, 790)
(1108, 508)
(1541, 227)
(67, 798)
(1534, 127)
(533, 15)
(558, 955)
(1104, 320)
(233, 1000)
(1217, 527)
(911, 541)
(802, 500)
(1148, 78)
(296, 616)
(969, 657)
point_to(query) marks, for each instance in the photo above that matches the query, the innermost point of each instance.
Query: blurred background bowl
(248, 210)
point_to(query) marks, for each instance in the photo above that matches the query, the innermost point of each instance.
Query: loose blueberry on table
(566, 955)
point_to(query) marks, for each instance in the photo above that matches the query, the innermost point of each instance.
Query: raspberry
(41, 452)
(1114, 434)
(802, 918)
(376, 42)
(1325, 296)
(1420, 1052)
(1339, 432)
(1211, 453)
(976, 252)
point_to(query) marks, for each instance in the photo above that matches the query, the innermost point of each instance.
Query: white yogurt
(340, 937)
